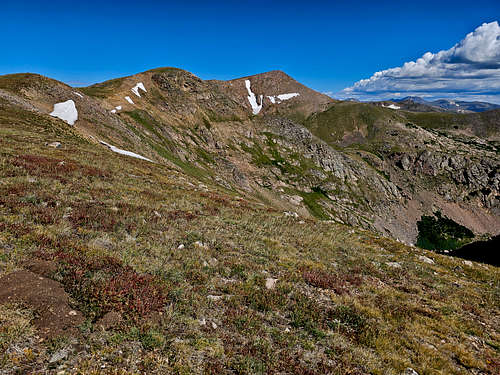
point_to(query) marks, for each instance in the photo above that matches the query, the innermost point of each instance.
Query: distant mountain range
(418, 104)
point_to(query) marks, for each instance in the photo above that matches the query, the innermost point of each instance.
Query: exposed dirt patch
(47, 297)
(41, 267)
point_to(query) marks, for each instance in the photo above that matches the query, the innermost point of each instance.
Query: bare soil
(54, 315)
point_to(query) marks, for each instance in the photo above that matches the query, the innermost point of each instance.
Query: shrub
(101, 284)
(43, 166)
(338, 283)
(441, 233)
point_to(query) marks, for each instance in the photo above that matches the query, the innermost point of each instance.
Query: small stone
(200, 244)
(468, 263)
(129, 238)
(102, 243)
(410, 371)
(271, 283)
(405, 163)
(59, 355)
(157, 214)
(202, 322)
(213, 262)
(296, 199)
(214, 326)
(214, 298)
(73, 313)
(55, 144)
(67, 212)
(393, 264)
(425, 259)
(181, 246)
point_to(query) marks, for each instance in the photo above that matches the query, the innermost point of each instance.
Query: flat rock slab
(47, 297)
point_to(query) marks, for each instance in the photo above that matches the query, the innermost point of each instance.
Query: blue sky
(327, 45)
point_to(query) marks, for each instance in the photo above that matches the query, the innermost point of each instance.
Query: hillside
(209, 130)
(178, 232)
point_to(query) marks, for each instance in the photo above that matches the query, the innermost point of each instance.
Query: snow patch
(113, 111)
(78, 94)
(256, 108)
(66, 111)
(282, 97)
(391, 106)
(118, 108)
(127, 98)
(136, 88)
(125, 152)
(288, 96)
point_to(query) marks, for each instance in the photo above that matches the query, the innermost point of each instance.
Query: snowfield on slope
(66, 111)
(125, 152)
(256, 108)
(127, 98)
(282, 97)
(288, 96)
(391, 106)
(253, 99)
(136, 88)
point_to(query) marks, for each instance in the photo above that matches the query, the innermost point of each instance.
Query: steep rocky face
(359, 164)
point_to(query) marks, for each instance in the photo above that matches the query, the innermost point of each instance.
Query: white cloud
(470, 69)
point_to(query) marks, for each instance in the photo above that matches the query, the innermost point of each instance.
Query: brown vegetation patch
(181, 215)
(43, 166)
(101, 284)
(340, 284)
(97, 216)
(45, 215)
(16, 229)
(214, 197)
(51, 303)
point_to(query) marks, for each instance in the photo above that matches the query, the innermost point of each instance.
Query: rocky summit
(181, 225)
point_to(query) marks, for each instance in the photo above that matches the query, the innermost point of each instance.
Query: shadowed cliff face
(353, 163)
(481, 251)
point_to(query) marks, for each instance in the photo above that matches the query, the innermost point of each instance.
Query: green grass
(102, 90)
(312, 199)
(435, 120)
(344, 118)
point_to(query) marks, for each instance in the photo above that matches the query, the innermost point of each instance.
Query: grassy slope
(484, 124)
(347, 118)
(340, 119)
(337, 307)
